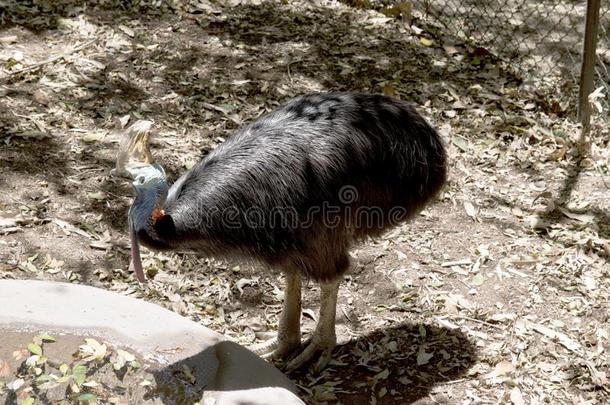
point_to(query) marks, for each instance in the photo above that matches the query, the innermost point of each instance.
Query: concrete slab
(228, 373)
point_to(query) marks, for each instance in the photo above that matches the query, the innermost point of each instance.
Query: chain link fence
(603, 50)
(542, 39)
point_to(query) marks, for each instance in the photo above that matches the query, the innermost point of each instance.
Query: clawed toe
(275, 349)
(265, 349)
(285, 352)
(323, 350)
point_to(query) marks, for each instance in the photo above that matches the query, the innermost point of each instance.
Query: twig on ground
(54, 58)
(35, 121)
(466, 318)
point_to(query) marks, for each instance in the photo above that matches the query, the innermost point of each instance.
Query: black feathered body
(297, 186)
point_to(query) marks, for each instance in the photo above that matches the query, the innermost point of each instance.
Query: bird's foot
(323, 348)
(293, 357)
(276, 349)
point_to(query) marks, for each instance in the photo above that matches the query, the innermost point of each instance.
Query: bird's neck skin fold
(144, 206)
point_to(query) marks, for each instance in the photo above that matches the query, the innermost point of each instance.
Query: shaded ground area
(498, 292)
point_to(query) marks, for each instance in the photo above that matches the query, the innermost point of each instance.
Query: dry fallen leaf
(126, 30)
(7, 222)
(92, 350)
(15, 384)
(516, 397)
(584, 218)
(560, 337)
(122, 357)
(423, 357)
(461, 143)
(501, 369)
(426, 41)
(471, 209)
(450, 113)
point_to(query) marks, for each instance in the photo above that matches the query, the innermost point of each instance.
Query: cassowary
(293, 189)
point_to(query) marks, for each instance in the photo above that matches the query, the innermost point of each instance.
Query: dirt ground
(497, 293)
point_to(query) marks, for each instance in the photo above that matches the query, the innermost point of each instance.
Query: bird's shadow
(400, 364)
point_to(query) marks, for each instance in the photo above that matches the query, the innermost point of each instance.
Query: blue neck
(146, 201)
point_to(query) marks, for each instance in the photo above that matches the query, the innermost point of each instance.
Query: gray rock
(225, 372)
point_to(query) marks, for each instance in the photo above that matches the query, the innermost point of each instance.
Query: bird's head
(150, 185)
(148, 178)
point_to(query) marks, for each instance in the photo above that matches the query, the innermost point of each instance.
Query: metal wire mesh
(543, 39)
(602, 68)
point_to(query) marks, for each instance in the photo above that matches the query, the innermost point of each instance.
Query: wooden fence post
(587, 70)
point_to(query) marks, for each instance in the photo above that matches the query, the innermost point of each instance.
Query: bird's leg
(324, 338)
(289, 330)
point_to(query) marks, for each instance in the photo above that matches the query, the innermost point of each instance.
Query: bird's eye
(140, 179)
